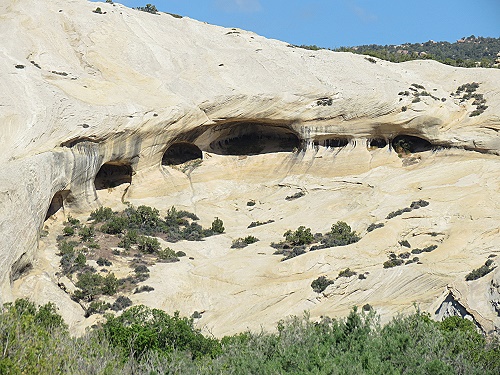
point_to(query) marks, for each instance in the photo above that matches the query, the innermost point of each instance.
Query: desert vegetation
(477, 273)
(468, 91)
(135, 230)
(296, 242)
(150, 341)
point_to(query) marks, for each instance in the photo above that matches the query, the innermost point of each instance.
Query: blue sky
(336, 23)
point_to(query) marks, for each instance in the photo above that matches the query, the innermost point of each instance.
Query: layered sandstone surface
(117, 92)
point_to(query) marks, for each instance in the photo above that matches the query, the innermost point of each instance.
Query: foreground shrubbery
(147, 341)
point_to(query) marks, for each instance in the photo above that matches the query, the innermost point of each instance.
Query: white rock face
(80, 90)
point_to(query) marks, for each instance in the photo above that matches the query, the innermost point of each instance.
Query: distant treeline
(467, 52)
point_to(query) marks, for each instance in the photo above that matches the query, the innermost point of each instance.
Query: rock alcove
(113, 174)
(181, 152)
(250, 138)
(57, 203)
(410, 144)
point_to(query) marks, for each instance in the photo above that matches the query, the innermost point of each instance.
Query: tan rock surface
(135, 83)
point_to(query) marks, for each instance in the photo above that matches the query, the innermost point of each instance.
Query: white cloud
(246, 6)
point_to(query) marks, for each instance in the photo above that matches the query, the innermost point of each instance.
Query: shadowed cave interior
(57, 203)
(181, 152)
(247, 138)
(410, 144)
(113, 174)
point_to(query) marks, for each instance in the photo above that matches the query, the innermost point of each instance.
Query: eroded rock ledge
(125, 108)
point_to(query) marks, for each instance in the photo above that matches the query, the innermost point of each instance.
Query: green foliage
(347, 273)
(101, 215)
(141, 329)
(68, 231)
(121, 303)
(167, 255)
(217, 226)
(465, 53)
(130, 238)
(342, 235)
(258, 223)
(301, 236)
(393, 263)
(103, 262)
(240, 243)
(66, 247)
(406, 147)
(297, 195)
(481, 271)
(96, 307)
(148, 341)
(148, 245)
(374, 226)
(320, 284)
(426, 249)
(90, 285)
(144, 288)
(87, 233)
(149, 8)
(115, 225)
(404, 243)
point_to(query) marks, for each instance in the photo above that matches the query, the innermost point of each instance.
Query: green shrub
(96, 307)
(102, 214)
(115, 225)
(405, 243)
(374, 226)
(240, 243)
(297, 195)
(103, 262)
(149, 8)
(167, 255)
(320, 284)
(339, 235)
(301, 236)
(258, 223)
(121, 303)
(144, 288)
(130, 238)
(148, 245)
(346, 273)
(66, 247)
(180, 253)
(141, 329)
(87, 233)
(217, 226)
(393, 263)
(479, 272)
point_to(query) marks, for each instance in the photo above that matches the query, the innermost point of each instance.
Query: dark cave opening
(113, 174)
(332, 142)
(377, 143)
(180, 153)
(247, 138)
(405, 144)
(57, 203)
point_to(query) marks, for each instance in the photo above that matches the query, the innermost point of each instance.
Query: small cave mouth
(332, 142)
(180, 153)
(113, 174)
(377, 143)
(57, 203)
(406, 144)
(253, 139)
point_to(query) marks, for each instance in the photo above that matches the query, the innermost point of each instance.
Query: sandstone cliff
(84, 91)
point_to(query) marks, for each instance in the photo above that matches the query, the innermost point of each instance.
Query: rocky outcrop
(91, 101)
